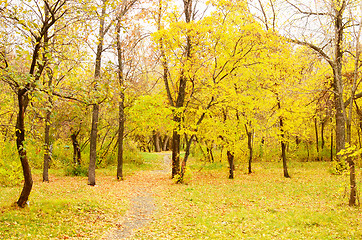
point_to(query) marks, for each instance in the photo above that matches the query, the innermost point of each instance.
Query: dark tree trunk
(187, 154)
(20, 138)
(283, 144)
(76, 148)
(331, 154)
(322, 134)
(316, 137)
(230, 157)
(175, 153)
(210, 154)
(48, 111)
(46, 147)
(250, 147)
(165, 145)
(121, 103)
(120, 141)
(353, 184)
(156, 141)
(95, 114)
(93, 147)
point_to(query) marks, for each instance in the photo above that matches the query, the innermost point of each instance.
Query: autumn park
(180, 119)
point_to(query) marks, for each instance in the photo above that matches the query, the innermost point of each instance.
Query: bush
(76, 170)
(339, 167)
(131, 153)
(10, 166)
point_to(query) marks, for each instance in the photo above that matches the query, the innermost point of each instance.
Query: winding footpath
(141, 201)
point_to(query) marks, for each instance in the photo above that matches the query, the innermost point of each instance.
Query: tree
(103, 29)
(36, 31)
(124, 8)
(335, 18)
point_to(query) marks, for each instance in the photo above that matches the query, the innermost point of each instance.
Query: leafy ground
(263, 205)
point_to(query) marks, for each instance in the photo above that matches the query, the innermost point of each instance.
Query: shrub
(76, 170)
(10, 167)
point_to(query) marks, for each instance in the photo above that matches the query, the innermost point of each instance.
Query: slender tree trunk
(322, 134)
(283, 144)
(20, 138)
(331, 154)
(93, 146)
(95, 114)
(210, 154)
(316, 137)
(120, 141)
(48, 111)
(46, 146)
(250, 147)
(175, 153)
(121, 124)
(76, 148)
(187, 154)
(230, 157)
(165, 143)
(156, 141)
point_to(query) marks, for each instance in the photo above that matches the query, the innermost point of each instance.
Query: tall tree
(331, 47)
(103, 29)
(21, 16)
(124, 8)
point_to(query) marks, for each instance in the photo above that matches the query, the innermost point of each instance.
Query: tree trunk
(20, 138)
(175, 153)
(46, 147)
(187, 154)
(353, 184)
(95, 114)
(165, 143)
(284, 157)
(283, 144)
(48, 111)
(331, 154)
(76, 148)
(250, 147)
(156, 141)
(121, 102)
(230, 157)
(322, 134)
(316, 137)
(93, 147)
(210, 154)
(120, 141)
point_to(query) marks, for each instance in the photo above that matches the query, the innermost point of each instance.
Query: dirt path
(141, 200)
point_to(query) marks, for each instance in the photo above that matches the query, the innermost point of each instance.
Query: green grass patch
(64, 208)
(263, 205)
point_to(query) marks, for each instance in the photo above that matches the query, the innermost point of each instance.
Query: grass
(263, 205)
(64, 208)
(67, 207)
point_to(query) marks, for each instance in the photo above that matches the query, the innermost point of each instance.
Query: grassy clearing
(66, 207)
(263, 205)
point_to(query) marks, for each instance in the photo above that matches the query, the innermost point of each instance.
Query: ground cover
(263, 205)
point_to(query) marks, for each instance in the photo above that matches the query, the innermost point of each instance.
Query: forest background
(89, 84)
